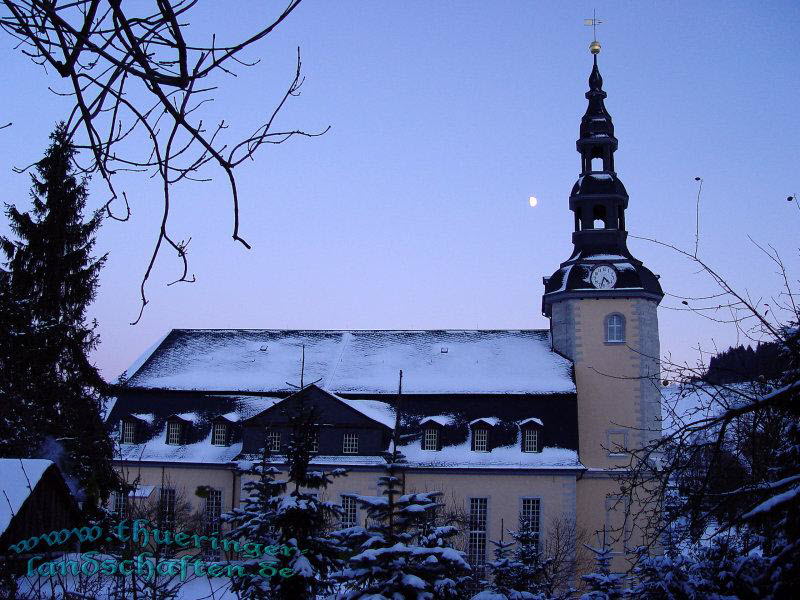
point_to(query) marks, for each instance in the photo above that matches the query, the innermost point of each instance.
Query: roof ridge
(220, 329)
(346, 337)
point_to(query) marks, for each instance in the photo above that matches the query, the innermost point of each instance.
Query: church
(508, 424)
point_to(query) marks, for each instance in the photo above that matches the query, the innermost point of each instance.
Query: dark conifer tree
(52, 280)
(304, 519)
(403, 553)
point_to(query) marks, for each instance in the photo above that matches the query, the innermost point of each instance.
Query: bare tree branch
(134, 76)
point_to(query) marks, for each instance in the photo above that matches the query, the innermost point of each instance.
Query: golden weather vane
(594, 47)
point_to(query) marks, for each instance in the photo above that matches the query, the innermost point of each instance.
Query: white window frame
(615, 328)
(167, 507)
(480, 439)
(349, 512)
(119, 503)
(350, 443)
(314, 446)
(430, 438)
(212, 511)
(219, 434)
(530, 509)
(127, 431)
(476, 538)
(531, 440)
(274, 439)
(174, 433)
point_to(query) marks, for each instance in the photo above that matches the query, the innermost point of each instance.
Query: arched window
(615, 328)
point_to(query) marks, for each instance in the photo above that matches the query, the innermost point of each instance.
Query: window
(120, 503)
(530, 514)
(314, 446)
(211, 521)
(349, 512)
(615, 328)
(174, 430)
(213, 509)
(617, 443)
(274, 441)
(219, 434)
(480, 439)
(350, 443)
(530, 439)
(430, 438)
(166, 508)
(476, 544)
(128, 432)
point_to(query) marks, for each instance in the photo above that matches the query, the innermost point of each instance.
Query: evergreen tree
(52, 279)
(297, 522)
(603, 584)
(523, 574)
(671, 576)
(303, 519)
(404, 553)
(530, 568)
(254, 521)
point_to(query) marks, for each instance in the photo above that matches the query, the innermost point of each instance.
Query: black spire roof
(598, 201)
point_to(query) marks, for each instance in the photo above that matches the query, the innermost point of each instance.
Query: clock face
(603, 277)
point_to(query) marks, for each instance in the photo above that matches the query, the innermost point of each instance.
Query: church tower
(602, 304)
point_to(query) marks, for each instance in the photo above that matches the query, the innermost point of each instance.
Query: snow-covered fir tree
(403, 553)
(52, 278)
(289, 514)
(302, 519)
(602, 584)
(254, 521)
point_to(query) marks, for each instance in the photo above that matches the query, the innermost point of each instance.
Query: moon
(533, 201)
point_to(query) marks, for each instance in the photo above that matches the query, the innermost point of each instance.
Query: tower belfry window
(597, 165)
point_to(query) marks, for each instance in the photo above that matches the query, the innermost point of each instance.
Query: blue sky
(412, 212)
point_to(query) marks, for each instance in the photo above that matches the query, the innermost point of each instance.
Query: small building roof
(18, 478)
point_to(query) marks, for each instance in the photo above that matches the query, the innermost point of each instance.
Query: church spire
(598, 201)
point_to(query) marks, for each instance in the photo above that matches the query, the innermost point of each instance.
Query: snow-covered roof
(146, 417)
(357, 361)
(142, 491)
(382, 412)
(491, 421)
(18, 478)
(191, 417)
(533, 420)
(504, 457)
(443, 420)
(156, 449)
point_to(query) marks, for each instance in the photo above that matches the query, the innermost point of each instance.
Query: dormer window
(530, 439)
(430, 438)
(480, 433)
(219, 434)
(531, 435)
(127, 429)
(480, 439)
(174, 433)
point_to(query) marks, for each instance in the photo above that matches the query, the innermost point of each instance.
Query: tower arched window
(615, 328)
(599, 217)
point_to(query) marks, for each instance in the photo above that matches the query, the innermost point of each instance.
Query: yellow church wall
(504, 491)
